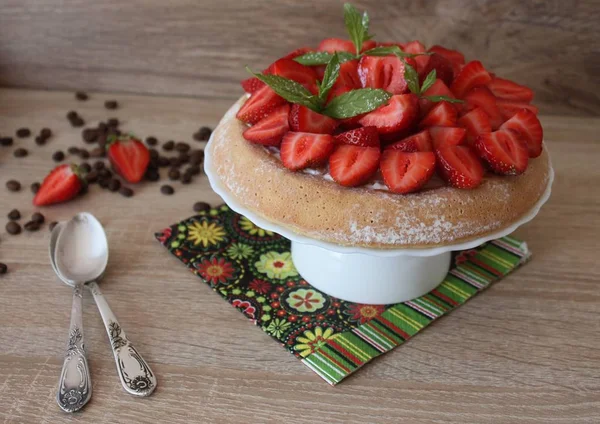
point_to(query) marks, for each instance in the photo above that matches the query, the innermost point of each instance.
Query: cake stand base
(363, 278)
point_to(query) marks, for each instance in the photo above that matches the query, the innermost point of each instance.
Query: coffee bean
(58, 156)
(98, 152)
(105, 173)
(89, 135)
(23, 132)
(167, 189)
(113, 122)
(169, 145)
(126, 191)
(111, 104)
(20, 152)
(14, 215)
(193, 170)
(46, 133)
(73, 150)
(92, 177)
(77, 122)
(31, 226)
(174, 161)
(174, 174)
(81, 96)
(202, 134)
(13, 228)
(186, 178)
(201, 206)
(103, 127)
(38, 218)
(114, 184)
(85, 167)
(196, 157)
(163, 161)
(83, 191)
(103, 183)
(151, 141)
(182, 147)
(152, 175)
(6, 141)
(72, 115)
(113, 131)
(3, 268)
(52, 225)
(39, 140)
(84, 154)
(98, 165)
(183, 158)
(13, 185)
(153, 154)
(35, 187)
(101, 140)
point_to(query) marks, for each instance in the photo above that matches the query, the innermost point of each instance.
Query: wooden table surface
(526, 350)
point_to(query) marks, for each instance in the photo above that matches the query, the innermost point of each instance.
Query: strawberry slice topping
(302, 119)
(252, 85)
(527, 124)
(509, 90)
(416, 47)
(447, 136)
(298, 52)
(456, 58)
(383, 72)
(438, 88)
(291, 69)
(351, 166)
(363, 137)
(348, 77)
(260, 105)
(443, 114)
(332, 45)
(405, 172)
(301, 150)
(270, 130)
(60, 185)
(482, 97)
(442, 66)
(508, 109)
(400, 113)
(504, 150)
(419, 142)
(459, 166)
(476, 122)
(129, 157)
(472, 75)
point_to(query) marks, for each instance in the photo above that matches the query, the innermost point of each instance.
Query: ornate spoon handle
(136, 376)
(75, 385)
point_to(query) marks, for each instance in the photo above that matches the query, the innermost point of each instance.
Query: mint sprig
(322, 58)
(412, 80)
(289, 90)
(355, 102)
(357, 26)
(332, 71)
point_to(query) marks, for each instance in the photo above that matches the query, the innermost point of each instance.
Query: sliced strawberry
(383, 72)
(363, 137)
(443, 114)
(129, 157)
(302, 119)
(508, 109)
(259, 105)
(476, 122)
(459, 166)
(456, 58)
(482, 97)
(61, 184)
(406, 172)
(508, 90)
(351, 166)
(442, 66)
(290, 69)
(332, 45)
(447, 136)
(252, 85)
(399, 113)
(301, 150)
(527, 124)
(504, 150)
(270, 130)
(348, 76)
(419, 142)
(438, 88)
(297, 52)
(472, 75)
(416, 47)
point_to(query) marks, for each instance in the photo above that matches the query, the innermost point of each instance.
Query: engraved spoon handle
(136, 376)
(75, 385)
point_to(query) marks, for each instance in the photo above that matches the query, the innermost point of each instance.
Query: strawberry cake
(382, 145)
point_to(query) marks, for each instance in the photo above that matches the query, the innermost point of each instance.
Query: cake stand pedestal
(363, 275)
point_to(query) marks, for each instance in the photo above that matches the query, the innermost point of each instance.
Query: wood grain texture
(527, 350)
(191, 48)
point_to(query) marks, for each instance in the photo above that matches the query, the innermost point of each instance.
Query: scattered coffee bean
(114, 184)
(163, 161)
(182, 147)
(13, 228)
(186, 178)
(201, 206)
(196, 157)
(92, 177)
(105, 173)
(83, 191)
(58, 156)
(35, 187)
(154, 154)
(151, 141)
(152, 174)
(175, 161)
(85, 167)
(20, 152)
(39, 140)
(52, 225)
(38, 218)
(73, 150)
(183, 158)
(77, 122)
(203, 134)
(84, 154)
(111, 104)
(13, 185)
(103, 183)
(102, 127)
(193, 170)
(46, 133)
(113, 122)
(167, 189)
(126, 191)
(14, 215)
(81, 96)
(31, 226)
(6, 141)
(23, 132)
(174, 174)
(89, 135)
(3, 268)
(169, 145)
(99, 165)
(72, 115)
(98, 152)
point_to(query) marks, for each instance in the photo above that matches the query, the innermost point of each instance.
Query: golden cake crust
(315, 207)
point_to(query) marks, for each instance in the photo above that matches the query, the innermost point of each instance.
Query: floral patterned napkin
(253, 270)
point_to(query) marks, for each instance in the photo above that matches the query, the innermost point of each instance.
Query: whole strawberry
(129, 157)
(62, 184)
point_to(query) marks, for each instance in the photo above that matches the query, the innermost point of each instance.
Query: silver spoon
(74, 385)
(83, 237)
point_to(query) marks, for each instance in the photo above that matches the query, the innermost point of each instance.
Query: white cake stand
(363, 275)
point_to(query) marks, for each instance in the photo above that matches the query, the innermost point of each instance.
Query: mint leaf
(332, 71)
(443, 99)
(388, 50)
(357, 26)
(356, 102)
(290, 90)
(429, 80)
(411, 77)
(321, 58)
